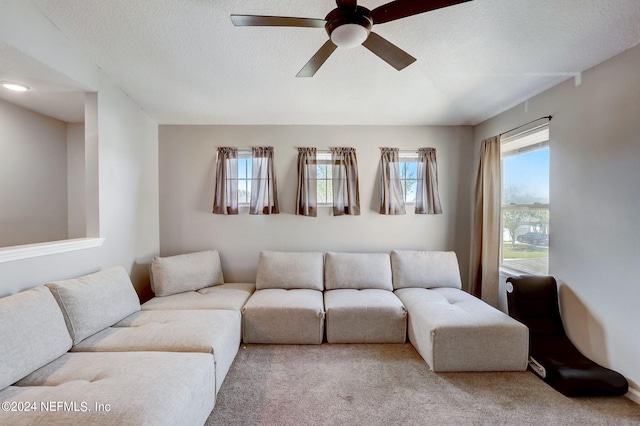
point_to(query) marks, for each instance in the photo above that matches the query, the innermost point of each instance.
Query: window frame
(323, 159)
(524, 142)
(404, 158)
(245, 155)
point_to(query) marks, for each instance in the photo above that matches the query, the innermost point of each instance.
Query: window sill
(9, 254)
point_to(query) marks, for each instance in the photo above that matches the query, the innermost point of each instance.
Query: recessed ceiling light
(15, 86)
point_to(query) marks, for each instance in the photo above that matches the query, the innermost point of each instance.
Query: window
(244, 177)
(409, 175)
(525, 201)
(324, 178)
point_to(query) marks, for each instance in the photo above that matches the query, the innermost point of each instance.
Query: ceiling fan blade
(275, 21)
(403, 8)
(388, 52)
(347, 4)
(317, 60)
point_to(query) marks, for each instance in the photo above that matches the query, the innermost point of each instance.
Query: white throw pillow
(185, 272)
(425, 269)
(290, 270)
(96, 301)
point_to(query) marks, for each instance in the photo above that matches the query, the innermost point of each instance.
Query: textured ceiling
(184, 62)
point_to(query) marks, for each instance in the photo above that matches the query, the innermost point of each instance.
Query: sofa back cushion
(185, 272)
(290, 270)
(32, 333)
(93, 302)
(358, 271)
(425, 269)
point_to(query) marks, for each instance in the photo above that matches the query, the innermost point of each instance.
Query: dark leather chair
(533, 300)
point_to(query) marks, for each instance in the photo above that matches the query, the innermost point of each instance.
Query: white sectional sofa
(85, 351)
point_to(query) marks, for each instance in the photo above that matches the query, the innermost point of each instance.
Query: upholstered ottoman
(359, 301)
(450, 329)
(287, 306)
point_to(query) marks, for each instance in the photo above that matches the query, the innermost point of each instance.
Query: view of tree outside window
(409, 176)
(525, 203)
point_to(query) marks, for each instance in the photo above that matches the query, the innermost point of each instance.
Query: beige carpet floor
(391, 385)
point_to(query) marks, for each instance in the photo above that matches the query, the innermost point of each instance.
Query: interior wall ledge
(10, 254)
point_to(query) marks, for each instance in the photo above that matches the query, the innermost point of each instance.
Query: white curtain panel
(391, 195)
(307, 194)
(264, 194)
(427, 195)
(486, 224)
(346, 192)
(225, 200)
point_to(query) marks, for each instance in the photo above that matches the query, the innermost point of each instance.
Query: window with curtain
(346, 192)
(427, 194)
(525, 201)
(392, 195)
(306, 198)
(264, 194)
(225, 199)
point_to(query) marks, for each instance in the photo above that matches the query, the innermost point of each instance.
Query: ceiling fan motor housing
(347, 27)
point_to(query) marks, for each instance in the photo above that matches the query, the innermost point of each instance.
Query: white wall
(187, 172)
(77, 216)
(595, 200)
(33, 177)
(128, 164)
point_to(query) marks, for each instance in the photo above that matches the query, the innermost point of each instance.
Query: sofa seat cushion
(140, 388)
(32, 333)
(185, 272)
(231, 296)
(425, 269)
(95, 301)
(290, 270)
(215, 332)
(280, 316)
(358, 271)
(364, 316)
(454, 331)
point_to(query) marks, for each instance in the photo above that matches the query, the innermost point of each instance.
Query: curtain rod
(548, 117)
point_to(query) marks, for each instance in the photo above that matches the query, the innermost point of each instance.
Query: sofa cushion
(32, 333)
(290, 270)
(364, 316)
(425, 269)
(279, 316)
(134, 388)
(185, 272)
(230, 296)
(215, 332)
(95, 301)
(358, 271)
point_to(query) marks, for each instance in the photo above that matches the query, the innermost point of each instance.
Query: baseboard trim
(634, 395)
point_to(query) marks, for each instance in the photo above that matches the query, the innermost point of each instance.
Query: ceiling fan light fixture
(15, 86)
(349, 35)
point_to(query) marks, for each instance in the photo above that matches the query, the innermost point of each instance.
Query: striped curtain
(427, 195)
(264, 194)
(391, 196)
(307, 195)
(225, 200)
(346, 192)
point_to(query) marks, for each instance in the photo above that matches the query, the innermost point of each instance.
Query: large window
(525, 201)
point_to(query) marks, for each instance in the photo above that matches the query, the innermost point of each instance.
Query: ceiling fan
(349, 25)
